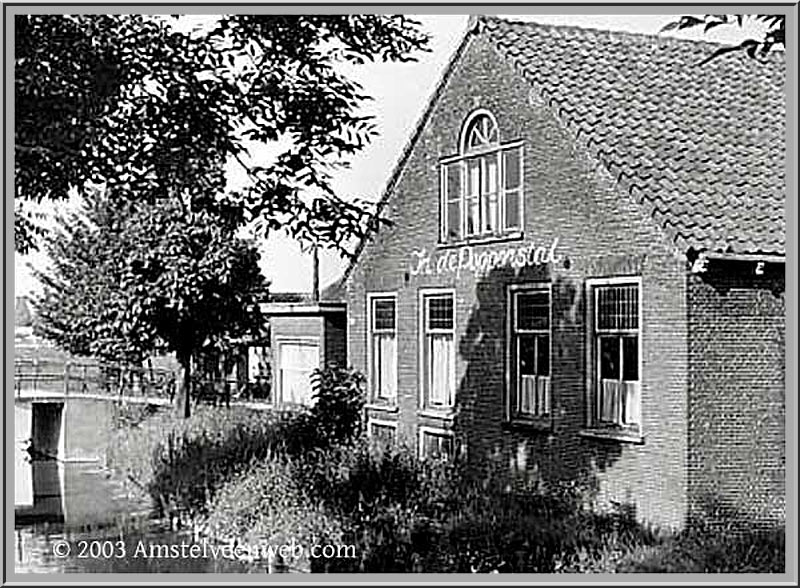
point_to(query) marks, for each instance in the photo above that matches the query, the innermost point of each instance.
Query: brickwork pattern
(602, 232)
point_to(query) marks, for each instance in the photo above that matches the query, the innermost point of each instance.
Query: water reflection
(81, 506)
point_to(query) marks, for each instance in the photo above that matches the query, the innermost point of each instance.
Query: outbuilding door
(296, 362)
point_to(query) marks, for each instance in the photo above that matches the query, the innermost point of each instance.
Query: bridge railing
(44, 377)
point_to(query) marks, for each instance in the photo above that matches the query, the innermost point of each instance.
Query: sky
(400, 92)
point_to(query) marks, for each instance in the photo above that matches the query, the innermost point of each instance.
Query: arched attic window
(480, 132)
(481, 191)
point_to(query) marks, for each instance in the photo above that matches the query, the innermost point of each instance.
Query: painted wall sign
(465, 259)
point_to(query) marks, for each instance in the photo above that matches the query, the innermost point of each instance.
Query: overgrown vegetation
(313, 476)
(142, 121)
(183, 463)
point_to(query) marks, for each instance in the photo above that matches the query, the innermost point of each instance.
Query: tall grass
(182, 462)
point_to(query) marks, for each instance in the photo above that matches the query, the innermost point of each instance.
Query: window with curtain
(481, 190)
(436, 444)
(617, 352)
(383, 348)
(438, 352)
(298, 360)
(530, 349)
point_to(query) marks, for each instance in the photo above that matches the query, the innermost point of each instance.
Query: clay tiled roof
(701, 146)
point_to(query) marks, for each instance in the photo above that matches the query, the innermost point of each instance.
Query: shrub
(707, 550)
(375, 493)
(183, 462)
(264, 505)
(132, 415)
(337, 412)
(406, 515)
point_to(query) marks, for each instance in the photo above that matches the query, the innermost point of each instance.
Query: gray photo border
(790, 9)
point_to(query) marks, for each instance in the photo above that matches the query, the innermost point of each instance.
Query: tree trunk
(185, 359)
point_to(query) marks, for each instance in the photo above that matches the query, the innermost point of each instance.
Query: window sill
(445, 414)
(613, 435)
(542, 424)
(384, 407)
(483, 240)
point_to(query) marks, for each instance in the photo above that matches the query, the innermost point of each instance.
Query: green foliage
(710, 550)
(183, 463)
(132, 415)
(774, 36)
(407, 515)
(339, 402)
(79, 308)
(131, 278)
(151, 111)
(265, 505)
(153, 115)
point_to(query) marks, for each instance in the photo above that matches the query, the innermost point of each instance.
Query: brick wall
(737, 394)
(602, 232)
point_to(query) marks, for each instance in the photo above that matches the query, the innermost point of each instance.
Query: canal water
(76, 517)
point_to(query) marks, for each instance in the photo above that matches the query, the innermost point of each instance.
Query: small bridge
(64, 410)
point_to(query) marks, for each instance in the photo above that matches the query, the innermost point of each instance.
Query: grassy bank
(313, 477)
(180, 463)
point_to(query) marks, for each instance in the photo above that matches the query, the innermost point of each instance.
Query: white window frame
(427, 429)
(279, 342)
(373, 399)
(461, 160)
(593, 358)
(382, 423)
(512, 385)
(425, 293)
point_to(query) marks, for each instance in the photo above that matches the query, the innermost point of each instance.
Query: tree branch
(40, 150)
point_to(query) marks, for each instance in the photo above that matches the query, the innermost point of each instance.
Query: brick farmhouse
(583, 280)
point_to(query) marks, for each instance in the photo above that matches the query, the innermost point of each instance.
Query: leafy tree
(134, 103)
(153, 115)
(77, 309)
(775, 34)
(131, 278)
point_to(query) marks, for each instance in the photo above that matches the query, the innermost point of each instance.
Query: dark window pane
(440, 312)
(513, 170)
(543, 355)
(512, 210)
(630, 359)
(454, 181)
(533, 310)
(453, 220)
(384, 314)
(609, 358)
(472, 216)
(527, 355)
(490, 213)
